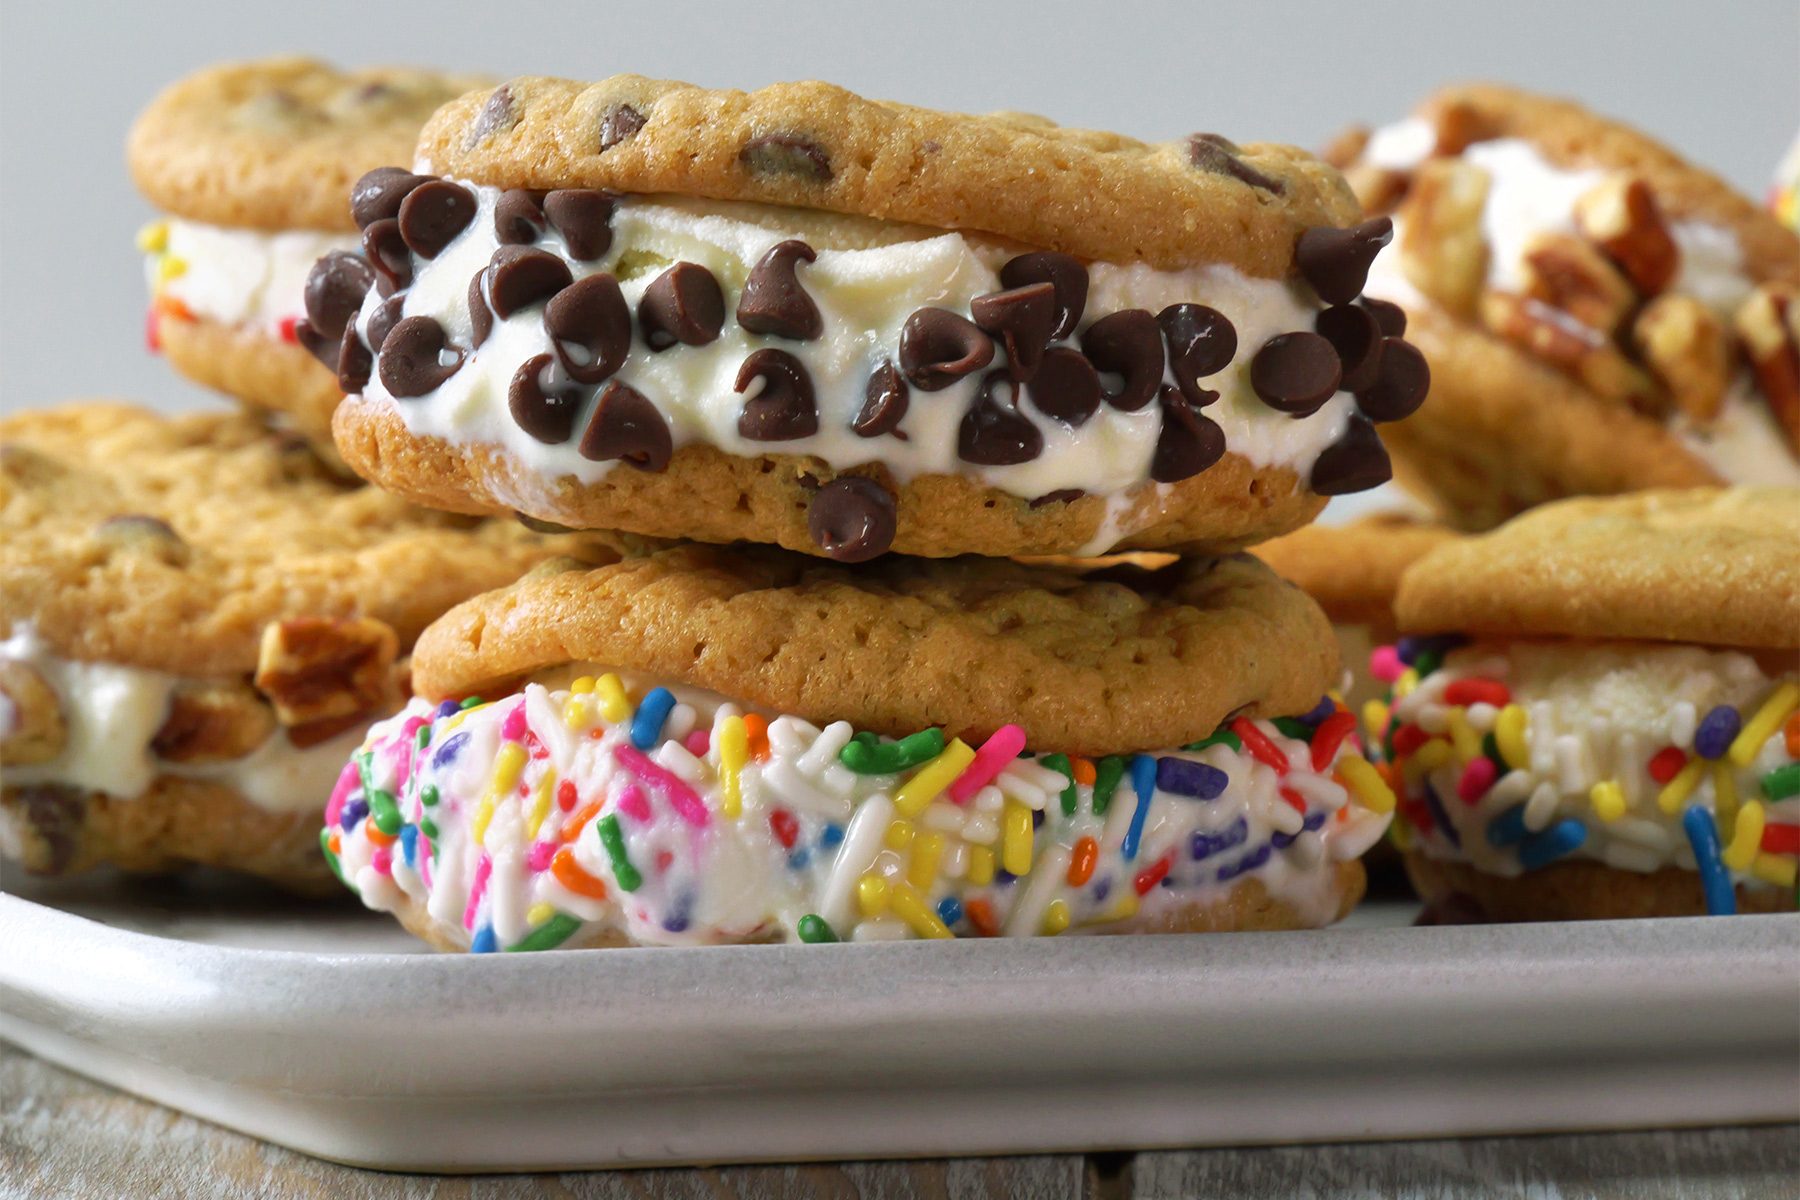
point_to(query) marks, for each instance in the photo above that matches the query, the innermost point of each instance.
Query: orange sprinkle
(1084, 770)
(377, 837)
(757, 730)
(1081, 862)
(981, 915)
(570, 874)
(1791, 734)
(169, 306)
(337, 844)
(578, 822)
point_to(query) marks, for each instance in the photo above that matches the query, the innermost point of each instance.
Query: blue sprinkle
(1314, 820)
(1249, 862)
(1167, 881)
(1440, 816)
(353, 812)
(485, 942)
(1002, 875)
(1409, 648)
(830, 836)
(1718, 729)
(1324, 708)
(1143, 781)
(798, 860)
(1037, 817)
(446, 754)
(1102, 890)
(446, 708)
(1205, 845)
(647, 722)
(1183, 777)
(1507, 829)
(409, 844)
(950, 911)
(681, 916)
(1281, 841)
(1715, 881)
(1543, 848)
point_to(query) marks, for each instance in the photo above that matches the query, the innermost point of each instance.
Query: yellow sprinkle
(981, 866)
(507, 765)
(1463, 737)
(1403, 686)
(1746, 837)
(1366, 784)
(614, 705)
(1337, 697)
(1432, 754)
(169, 267)
(872, 895)
(1124, 910)
(484, 812)
(933, 778)
(1056, 917)
(540, 801)
(1759, 728)
(582, 686)
(1774, 868)
(928, 851)
(1015, 838)
(1608, 799)
(1509, 735)
(575, 713)
(153, 238)
(1400, 834)
(911, 908)
(1725, 800)
(899, 834)
(1675, 792)
(734, 752)
(1375, 718)
(448, 725)
(538, 913)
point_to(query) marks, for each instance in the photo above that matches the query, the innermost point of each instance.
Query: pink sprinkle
(539, 856)
(1385, 664)
(512, 726)
(633, 804)
(1476, 779)
(989, 761)
(683, 799)
(699, 742)
(347, 780)
(425, 860)
(483, 869)
(383, 861)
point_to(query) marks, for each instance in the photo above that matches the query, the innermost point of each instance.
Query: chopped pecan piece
(1622, 218)
(213, 721)
(1769, 325)
(31, 718)
(314, 668)
(1570, 274)
(1688, 349)
(1443, 251)
(1553, 336)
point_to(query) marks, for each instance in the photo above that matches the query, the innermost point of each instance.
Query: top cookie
(276, 143)
(1353, 570)
(1089, 664)
(1091, 194)
(168, 543)
(1713, 566)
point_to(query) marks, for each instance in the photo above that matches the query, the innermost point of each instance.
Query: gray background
(1716, 80)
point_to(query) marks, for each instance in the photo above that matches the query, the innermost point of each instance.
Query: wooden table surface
(65, 1137)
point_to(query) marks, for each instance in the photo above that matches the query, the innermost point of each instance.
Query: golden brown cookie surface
(267, 374)
(1353, 570)
(1575, 891)
(1087, 664)
(1707, 565)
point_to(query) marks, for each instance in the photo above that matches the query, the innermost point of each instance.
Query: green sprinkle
(1222, 738)
(815, 931)
(428, 795)
(1782, 782)
(550, 934)
(384, 810)
(470, 702)
(428, 827)
(1427, 661)
(614, 841)
(364, 768)
(1060, 763)
(1293, 727)
(330, 858)
(424, 737)
(1107, 773)
(1490, 748)
(866, 754)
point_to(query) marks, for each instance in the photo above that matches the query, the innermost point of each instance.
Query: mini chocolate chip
(433, 214)
(584, 218)
(519, 276)
(1336, 261)
(786, 154)
(519, 216)
(1356, 462)
(353, 364)
(938, 347)
(1129, 344)
(1295, 373)
(1023, 318)
(1211, 153)
(682, 305)
(498, 115)
(382, 320)
(617, 123)
(1356, 336)
(1400, 386)
(1062, 272)
(316, 344)
(1391, 317)
(335, 288)
(590, 327)
(1202, 342)
(412, 357)
(994, 433)
(773, 302)
(1189, 443)
(543, 401)
(784, 409)
(627, 426)
(1059, 496)
(481, 317)
(1065, 387)
(377, 196)
(852, 519)
(389, 255)
(885, 400)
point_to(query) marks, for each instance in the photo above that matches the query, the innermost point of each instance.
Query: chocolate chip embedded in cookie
(970, 312)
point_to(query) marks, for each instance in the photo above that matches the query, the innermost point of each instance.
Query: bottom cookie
(1574, 891)
(260, 370)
